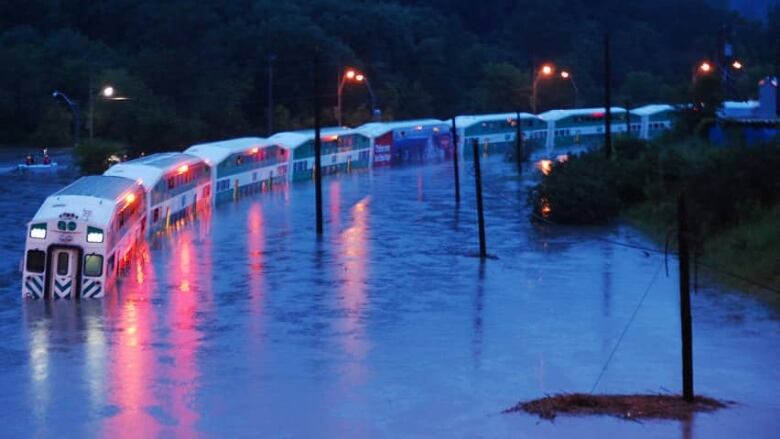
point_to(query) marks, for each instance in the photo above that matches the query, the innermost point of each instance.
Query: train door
(63, 277)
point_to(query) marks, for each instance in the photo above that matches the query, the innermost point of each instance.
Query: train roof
(649, 110)
(554, 115)
(473, 119)
(216, 152)
(374, 129)
(92, 198)
(294, 139)
(148, 170)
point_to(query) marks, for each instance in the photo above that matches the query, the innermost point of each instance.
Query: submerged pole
(519, 144)
(686, 331)
(607, 99)
(480, 212)
(455, 151)
(317, 144)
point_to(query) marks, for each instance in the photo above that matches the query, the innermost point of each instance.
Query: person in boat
(30, 160)
(46, 159)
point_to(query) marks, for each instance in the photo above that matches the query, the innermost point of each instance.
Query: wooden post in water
(519, 143)
(480, 211)
(607, 99)
(628, 119)
(455, 161)
(317, 144)
(685, 299)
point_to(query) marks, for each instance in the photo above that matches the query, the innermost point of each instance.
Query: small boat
(37, 166)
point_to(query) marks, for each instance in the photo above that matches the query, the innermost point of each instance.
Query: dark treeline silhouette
(196, 71)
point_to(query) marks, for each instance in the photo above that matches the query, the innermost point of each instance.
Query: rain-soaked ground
(242, 324)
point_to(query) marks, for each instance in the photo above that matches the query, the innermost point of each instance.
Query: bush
(91, 156)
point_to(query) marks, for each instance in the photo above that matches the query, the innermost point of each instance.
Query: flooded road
(243, 324)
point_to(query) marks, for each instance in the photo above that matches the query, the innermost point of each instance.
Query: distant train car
(407, 141)
(580, 126)
(242, 166)
(496, 132)
(176, 185)
(654, 120)
(343, 149)
(79, 236)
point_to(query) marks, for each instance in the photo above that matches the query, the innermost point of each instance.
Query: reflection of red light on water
(546, 208)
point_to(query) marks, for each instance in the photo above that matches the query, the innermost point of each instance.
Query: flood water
(242, 324)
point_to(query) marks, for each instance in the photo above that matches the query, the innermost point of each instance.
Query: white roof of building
(469, 120)
(216, 152)
(649, 110)
(374, 129)
(554, 115)
(148, 170)
(91, 198)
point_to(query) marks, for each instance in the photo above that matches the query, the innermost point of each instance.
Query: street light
(705, 67)
(107, 93)
(566, 75)
(737, 65)
(74, 108)
(353, 75)
(546, 70)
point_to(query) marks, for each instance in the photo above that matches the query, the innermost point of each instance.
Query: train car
(407, 141)
(580, 126)
(80, 236)
(496, 132)
(343, 149)
(654, 120)
(177, 185)
(242, 166)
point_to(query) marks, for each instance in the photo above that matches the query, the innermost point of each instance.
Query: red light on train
(255, 150)
(129, 198)
(183, 169)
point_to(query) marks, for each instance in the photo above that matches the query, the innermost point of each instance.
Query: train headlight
(38, 231)
(94, 234)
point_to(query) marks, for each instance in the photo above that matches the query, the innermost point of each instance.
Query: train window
(171, 183)
(63, 261)
(36, 261)
(93, 265)
(156, 215)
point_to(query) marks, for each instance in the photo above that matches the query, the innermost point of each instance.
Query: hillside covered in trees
(195, 71)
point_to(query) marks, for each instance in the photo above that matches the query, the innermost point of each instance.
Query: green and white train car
(242, 166)
(80, 236)
(654, 120)
(343, 149)
(496, 132)
(580, 126)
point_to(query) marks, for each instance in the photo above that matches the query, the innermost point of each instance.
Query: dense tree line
(195, 71)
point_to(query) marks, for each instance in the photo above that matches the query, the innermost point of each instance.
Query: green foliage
(92, 156)
(198, 70)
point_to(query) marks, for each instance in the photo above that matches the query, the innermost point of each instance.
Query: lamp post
(566, 75)
(355, 76)
(74, 108)
(107, 93)
(546, 71)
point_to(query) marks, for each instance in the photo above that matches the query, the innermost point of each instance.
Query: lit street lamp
(546, 71)
(107, 93)
(566, 75)
(355, 76)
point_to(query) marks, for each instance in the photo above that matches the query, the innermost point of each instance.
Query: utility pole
(455, 151)
(607, 99)
(91, 113)
(686, 331)
(270, 111)
(519, 143)
(480, 210)
(317, 144)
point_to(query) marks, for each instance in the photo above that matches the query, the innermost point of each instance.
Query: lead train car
(79, 235)
(176, 185)
(242, 166)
